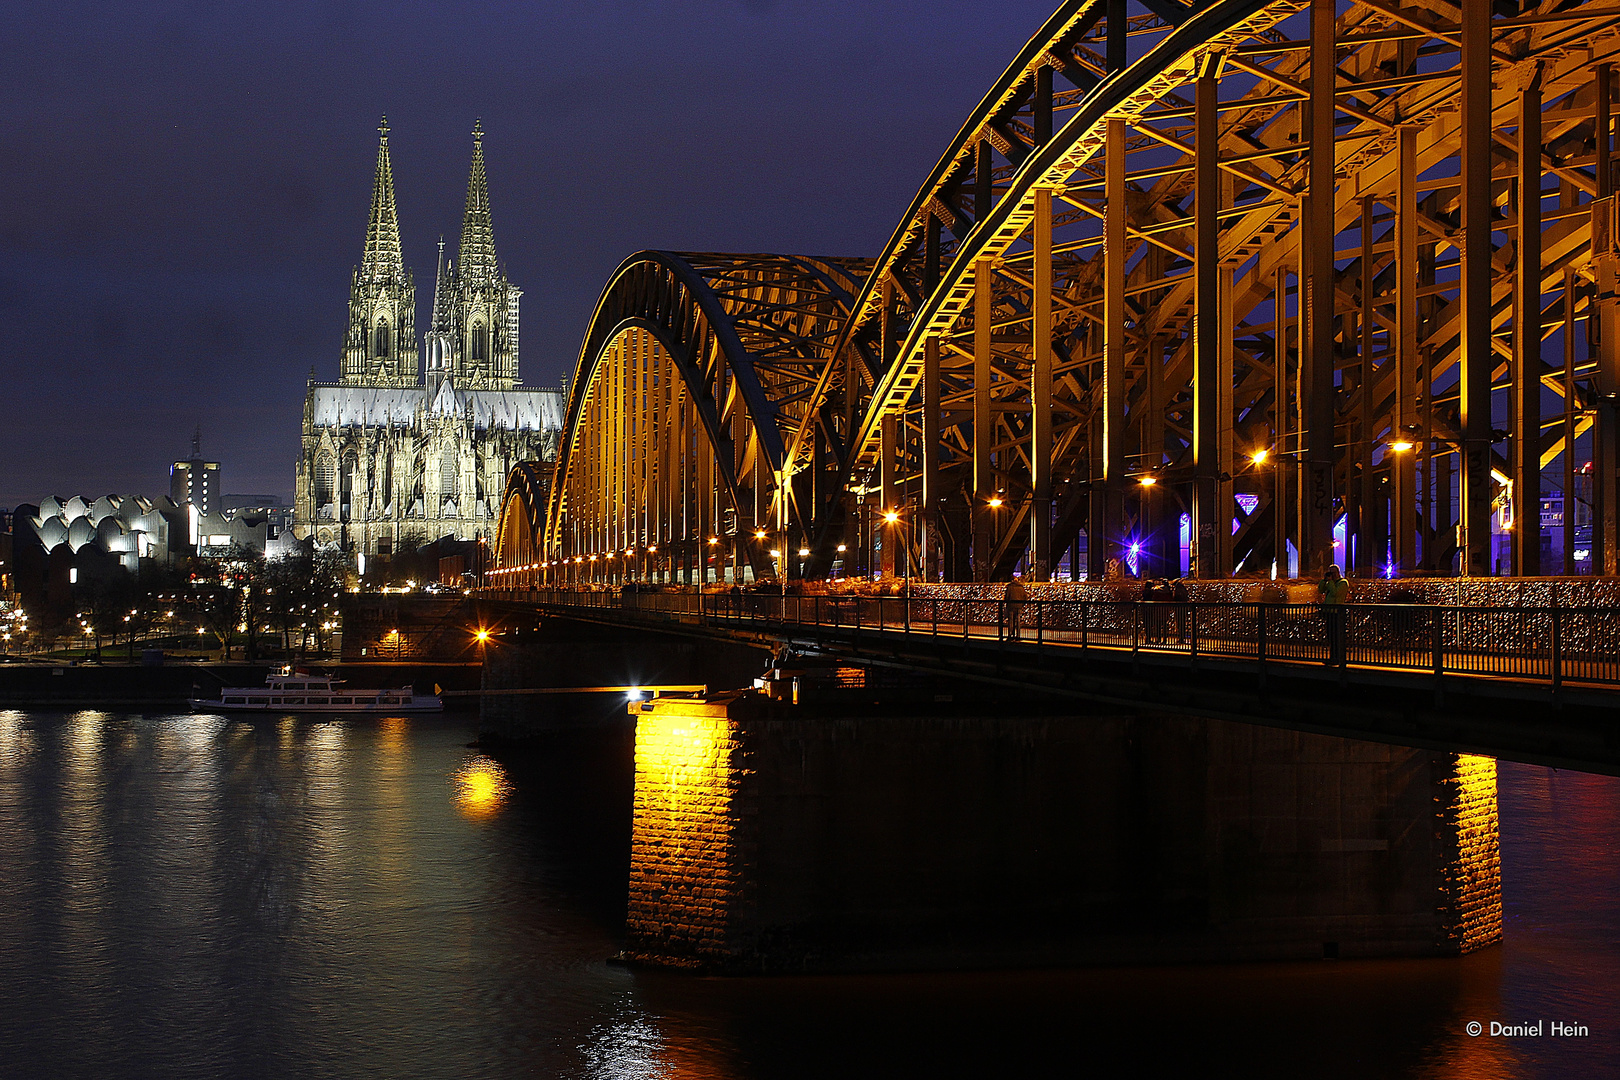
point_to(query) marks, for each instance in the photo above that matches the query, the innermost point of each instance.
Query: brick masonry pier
(770, 837)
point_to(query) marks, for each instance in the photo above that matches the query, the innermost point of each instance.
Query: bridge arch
(521, 525)
(693, 369)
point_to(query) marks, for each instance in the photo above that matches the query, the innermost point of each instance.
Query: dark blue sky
(183, 186)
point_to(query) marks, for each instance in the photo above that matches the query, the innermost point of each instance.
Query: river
(191, 896)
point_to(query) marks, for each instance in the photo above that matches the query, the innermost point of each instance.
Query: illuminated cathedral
(410, 446)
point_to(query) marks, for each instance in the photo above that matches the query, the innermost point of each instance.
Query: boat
(286, 690)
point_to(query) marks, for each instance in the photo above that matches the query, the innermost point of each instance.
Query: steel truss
(1271, 264)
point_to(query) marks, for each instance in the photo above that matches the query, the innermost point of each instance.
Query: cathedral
(410, 446)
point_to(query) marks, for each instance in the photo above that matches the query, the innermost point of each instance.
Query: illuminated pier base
(772, 838)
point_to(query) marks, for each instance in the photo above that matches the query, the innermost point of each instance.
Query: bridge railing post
(1556, 660)
(1192, 632)
(1085, 625)
(1136, 632)
(1439, 644)
(1260, 643)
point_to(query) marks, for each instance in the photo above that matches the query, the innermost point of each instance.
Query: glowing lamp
(803, 552)
(1148, 480)
(1400, 447)
(482, 635)
(891, 516)
(995, 502)
(1259, 456)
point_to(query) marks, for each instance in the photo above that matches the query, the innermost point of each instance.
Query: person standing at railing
(1333, 590)
(1013, 599)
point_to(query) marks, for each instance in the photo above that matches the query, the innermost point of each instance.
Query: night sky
(184, 186)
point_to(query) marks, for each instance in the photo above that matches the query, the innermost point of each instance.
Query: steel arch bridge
(1281, 269)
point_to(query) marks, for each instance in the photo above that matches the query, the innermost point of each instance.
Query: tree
(228, 595)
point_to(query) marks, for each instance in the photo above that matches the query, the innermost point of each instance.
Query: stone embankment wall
(768, 838)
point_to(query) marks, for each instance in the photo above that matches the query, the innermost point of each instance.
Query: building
(63, 542)
(195, 482)
(406, 449)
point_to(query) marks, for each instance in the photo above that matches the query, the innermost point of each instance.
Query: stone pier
(768, 837)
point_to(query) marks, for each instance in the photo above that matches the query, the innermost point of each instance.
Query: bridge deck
(1529, 684)
(1555, 647)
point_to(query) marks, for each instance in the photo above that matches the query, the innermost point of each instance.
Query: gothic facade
(411, 446)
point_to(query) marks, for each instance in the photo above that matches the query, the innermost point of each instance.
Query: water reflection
(481, 787)
(629, 1047)
(180, 895)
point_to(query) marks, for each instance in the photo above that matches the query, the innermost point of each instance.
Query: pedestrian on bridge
(1333, 590)
(1013, 598)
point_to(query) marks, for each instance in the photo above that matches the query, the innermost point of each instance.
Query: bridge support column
(1527, 341)
(1404, 427)
(1040, 391)
(1212, 348)
(1477, 358)
(890, 534)
(1108, 473)
(1318, 285)
(984, 478)
(932, 495)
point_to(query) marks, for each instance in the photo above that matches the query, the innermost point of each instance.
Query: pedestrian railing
(1553, 645)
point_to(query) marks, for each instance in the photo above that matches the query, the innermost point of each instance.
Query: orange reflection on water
(481, 787)
(392, 732)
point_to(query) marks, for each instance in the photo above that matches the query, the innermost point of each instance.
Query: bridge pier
(768, 837)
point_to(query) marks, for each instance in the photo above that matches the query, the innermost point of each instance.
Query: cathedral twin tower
(472, 334)
(407, 449)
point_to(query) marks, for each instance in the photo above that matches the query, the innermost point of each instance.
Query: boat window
(235, 701)
(293, 701)
(294, 686)
(275, 701)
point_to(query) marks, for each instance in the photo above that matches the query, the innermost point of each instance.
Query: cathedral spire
(443, 293)
(477, 253)
(382, 260)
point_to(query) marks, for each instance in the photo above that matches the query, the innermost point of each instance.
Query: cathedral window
(325, 479)
(480, 339)
(447, 475)
(382, 339)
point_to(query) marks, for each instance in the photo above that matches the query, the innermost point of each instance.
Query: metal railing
(1550, 645)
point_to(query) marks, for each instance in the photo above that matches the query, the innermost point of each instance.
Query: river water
(191, 896)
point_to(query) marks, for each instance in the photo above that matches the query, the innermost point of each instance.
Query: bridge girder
(1160, 249)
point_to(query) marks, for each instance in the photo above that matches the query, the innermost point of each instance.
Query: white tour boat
(290, 691)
